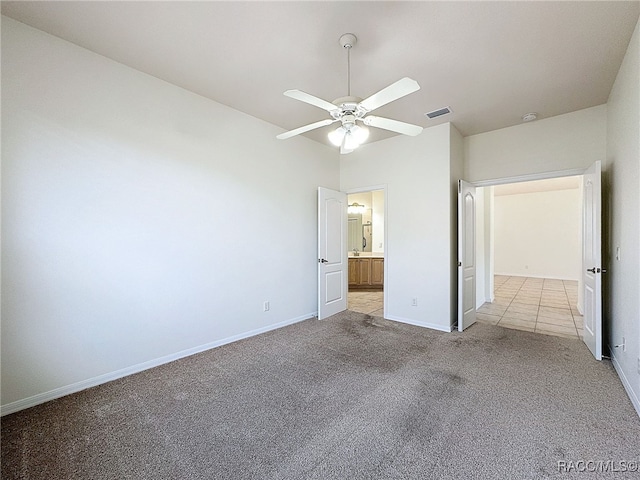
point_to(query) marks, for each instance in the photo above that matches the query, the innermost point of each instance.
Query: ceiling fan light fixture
(352, 135)
(359, 134)
(336, 136)
(350, 141)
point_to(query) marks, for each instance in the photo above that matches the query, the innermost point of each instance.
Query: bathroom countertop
(367, 255)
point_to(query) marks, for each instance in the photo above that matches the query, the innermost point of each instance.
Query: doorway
(366, 214)
(529, 250)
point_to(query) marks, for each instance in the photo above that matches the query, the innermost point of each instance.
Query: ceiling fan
(350, 110)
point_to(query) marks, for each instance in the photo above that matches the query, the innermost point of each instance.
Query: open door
(592, 258)
(466, 254)
(333, 264)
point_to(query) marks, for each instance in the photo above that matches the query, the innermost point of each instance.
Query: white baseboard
(108, 377)
(625, 382)
(408, 321)
(530, 275)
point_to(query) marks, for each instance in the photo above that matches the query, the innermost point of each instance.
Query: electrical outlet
(618, 253)
(638, 365)
(624, 345)
(414, 302)
(265, 307)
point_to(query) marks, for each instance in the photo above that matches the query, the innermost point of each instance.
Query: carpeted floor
(351, 397)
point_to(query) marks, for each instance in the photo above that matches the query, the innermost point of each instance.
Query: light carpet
(351, 397)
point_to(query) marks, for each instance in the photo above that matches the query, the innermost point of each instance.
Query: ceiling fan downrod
(348, 40)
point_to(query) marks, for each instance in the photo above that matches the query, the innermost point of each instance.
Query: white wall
(132, 213)
(539, 234)
(565, 142)
(416, 172)
(456, 173)
(622, 304)
(378, 220)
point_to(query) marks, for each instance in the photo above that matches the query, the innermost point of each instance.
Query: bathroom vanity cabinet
(366, 272)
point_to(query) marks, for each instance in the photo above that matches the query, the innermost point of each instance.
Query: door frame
(385, 288)
(544, 176)
(526, 178)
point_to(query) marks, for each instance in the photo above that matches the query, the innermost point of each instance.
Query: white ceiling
(491, 62)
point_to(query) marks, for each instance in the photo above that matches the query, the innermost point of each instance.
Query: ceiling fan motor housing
(348, 120)
(348, 110)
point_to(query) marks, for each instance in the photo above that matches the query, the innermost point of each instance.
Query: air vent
(439, 112)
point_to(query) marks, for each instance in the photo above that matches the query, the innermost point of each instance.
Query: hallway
(540, 305)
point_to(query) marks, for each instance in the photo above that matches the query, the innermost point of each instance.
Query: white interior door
(592, 259)
(466, 254)
(333, 266)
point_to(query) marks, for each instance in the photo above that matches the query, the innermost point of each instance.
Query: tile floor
(538, 305)
(366, 302)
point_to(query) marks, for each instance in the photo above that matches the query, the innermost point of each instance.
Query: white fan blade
(402, 87)
(393, 125)
(306, 128)
(310, 99)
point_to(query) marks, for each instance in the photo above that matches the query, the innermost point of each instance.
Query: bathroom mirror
(366, 221)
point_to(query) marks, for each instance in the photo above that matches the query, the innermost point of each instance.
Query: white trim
(635, 401)
(530, 177)
(108, 377)
(433, 326)
(366, 189)
(528, 275)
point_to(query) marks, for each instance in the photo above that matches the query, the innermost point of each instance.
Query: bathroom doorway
(366, 247)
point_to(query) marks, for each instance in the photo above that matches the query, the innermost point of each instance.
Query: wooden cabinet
(366, 273)
(377, 271)
(354, 274)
